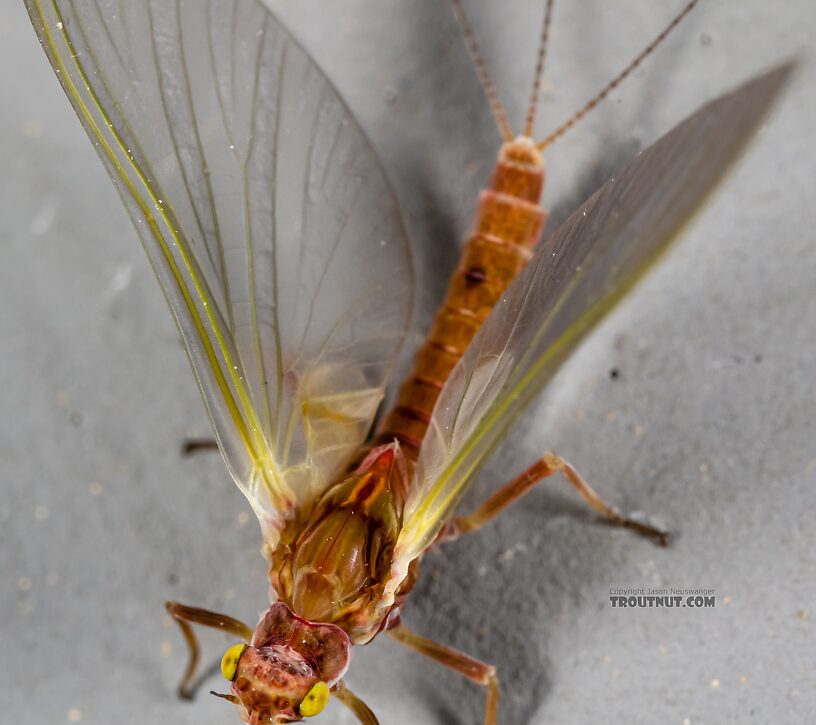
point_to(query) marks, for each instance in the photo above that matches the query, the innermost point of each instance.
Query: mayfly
(278, 243)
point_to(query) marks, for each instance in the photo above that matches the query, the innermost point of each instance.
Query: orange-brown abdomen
(508, 225)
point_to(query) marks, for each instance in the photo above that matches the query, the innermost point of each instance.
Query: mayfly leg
(524, 482)
(191, 446)
(360, 710)
(475, 670)
(186, 616)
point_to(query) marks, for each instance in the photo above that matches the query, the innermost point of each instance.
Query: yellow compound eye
(316, 699)
(229, 662)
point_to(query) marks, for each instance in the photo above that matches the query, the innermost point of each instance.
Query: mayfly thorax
(274, 234)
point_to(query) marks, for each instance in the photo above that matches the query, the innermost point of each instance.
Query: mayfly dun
(278, 243)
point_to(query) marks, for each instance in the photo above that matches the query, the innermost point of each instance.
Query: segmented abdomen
(508, 224)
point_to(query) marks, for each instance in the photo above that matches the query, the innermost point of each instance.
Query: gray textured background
(709, 424)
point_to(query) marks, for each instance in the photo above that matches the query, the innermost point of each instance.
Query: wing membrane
(270, 225)
(574, 279)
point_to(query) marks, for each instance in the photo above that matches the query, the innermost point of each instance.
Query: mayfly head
(288, 670)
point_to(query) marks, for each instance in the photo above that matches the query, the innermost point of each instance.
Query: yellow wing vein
(248, 426)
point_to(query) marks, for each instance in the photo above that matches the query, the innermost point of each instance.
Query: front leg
(359, 709)
(515, 489)
(184, 616)
(473, 669)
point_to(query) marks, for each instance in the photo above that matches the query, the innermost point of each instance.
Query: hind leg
(526, 481)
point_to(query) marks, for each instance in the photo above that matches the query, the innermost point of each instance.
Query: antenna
(486, 81)
(615, 82)
(539, 70)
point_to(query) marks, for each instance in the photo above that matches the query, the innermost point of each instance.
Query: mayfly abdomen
(508, 225)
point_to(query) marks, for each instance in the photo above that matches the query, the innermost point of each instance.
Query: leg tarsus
(475, 670)
(521, 484)
(608, 511)
(185, 691)
(184, 617)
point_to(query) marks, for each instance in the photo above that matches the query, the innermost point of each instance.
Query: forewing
(575, 278)
(265, 214)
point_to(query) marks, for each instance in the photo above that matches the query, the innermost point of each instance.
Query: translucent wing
(270, 225)
(574, 279)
